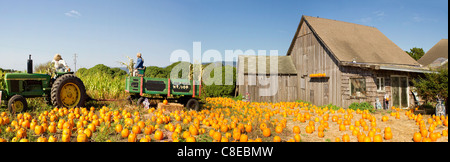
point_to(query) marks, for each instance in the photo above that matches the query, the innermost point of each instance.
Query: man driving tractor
(59, 64)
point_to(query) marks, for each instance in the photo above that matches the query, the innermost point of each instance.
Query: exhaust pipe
(30, 65)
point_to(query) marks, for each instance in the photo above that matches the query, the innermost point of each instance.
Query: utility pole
(75, 61)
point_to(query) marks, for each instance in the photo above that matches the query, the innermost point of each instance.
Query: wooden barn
(340, 63)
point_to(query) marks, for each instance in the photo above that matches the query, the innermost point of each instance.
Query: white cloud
(72, 13)
(379, 13)
(365, 19)
(418, 19)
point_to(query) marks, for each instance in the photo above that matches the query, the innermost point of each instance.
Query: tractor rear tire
(17, 104)
(68, 91)
(193, 104)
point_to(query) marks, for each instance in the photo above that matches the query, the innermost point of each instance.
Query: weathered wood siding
(311, 57)
(285, 92)
(370, 77)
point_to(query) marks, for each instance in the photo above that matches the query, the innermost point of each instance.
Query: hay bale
(171, 107)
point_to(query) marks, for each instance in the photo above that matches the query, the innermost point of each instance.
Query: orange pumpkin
(136, 129)
(248, 128)
(262, 126)
(424, 133)
(341, 127)
(417, 137)
(237, 134)
(65, 138)
(321, 134)
(81, 137)
(193, 130)
(309, 129)
(224, 128)
(40, 139)
(52, 139)
(165, 102)
(345, 138)
(276, 139)
(190, 139)
(38, 130)
(296, 130)
(148, 130)
(297, 138)
(266, 132)
(278, 129)
(158, 135)
(88, 133)
(125, 133)
(243, 138)
(377, 138)
(426, 139)
(217, 136)
(132, 137)
(118, 128)
(387, 135)
(433, 137)
(21, 133)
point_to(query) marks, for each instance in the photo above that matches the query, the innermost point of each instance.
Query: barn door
(399, 91)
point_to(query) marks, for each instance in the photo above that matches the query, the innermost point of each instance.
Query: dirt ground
(403, 129)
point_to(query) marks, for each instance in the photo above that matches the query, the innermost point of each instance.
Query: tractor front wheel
(17, 104)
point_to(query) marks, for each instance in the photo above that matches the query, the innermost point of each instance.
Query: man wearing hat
(60, 64)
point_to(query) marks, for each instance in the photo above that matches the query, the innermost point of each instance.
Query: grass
(104, 86)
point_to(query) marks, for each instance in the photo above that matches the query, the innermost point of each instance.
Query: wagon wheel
(193, 104)
(17, 104)
(68, 91)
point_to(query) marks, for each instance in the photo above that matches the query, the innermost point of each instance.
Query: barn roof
(438, 53)
(350, 42)
(251, 63)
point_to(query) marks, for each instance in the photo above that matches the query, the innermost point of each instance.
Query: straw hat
(57, 57)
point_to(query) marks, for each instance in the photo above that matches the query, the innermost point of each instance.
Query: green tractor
(63, 90)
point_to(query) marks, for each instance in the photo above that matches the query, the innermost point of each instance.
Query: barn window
(358, 87)
(380, 84)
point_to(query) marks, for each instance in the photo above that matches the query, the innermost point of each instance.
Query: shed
(271, 84)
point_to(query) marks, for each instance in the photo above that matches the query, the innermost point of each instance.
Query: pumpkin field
(222, 120)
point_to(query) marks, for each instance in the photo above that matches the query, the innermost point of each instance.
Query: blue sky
(106, 31)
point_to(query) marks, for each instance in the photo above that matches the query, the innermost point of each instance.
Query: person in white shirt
(60, 64)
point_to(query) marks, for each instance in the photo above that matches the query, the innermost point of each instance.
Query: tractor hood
(26, 76)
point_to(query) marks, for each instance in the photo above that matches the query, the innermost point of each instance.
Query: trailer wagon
(185, 91)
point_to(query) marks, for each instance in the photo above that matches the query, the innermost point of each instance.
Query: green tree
(221, 90)
(416, 53)
(433, 85)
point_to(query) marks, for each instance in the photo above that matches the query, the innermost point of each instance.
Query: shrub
(362, 106)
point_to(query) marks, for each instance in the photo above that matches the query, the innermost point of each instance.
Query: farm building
(437, 56)
(253, 80)
(340, 63)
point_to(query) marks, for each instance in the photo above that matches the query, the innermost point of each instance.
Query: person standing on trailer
(139, 64)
